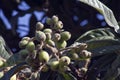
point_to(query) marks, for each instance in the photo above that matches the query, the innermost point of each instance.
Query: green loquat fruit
(56, 37)
(30, 46)
(50, 42)
(43, 56)
(48, 36)
(49, 21)
(39, 26)
(40, 36)
(61, 44)
(26, 38)
(58, 25)
(64, 60)
(1, 63)
(14, 77)
(55, 19)
(23, 43)
(54, 65)
(47, 30)
(65, 35)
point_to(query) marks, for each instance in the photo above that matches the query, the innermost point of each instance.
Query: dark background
(77, 17)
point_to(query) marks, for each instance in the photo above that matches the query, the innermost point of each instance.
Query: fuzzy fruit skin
(14, 77)
(85, 54)
(65, 35)
(1, 74)
(23, 43)
(26, 38)
(73, 56)
(44, 56)
(50, 42)
(65, 60)
(49, 21)
(55, 19)
(47, 30)
(54, 65)
(61, 44)
(30, 46)
(40, 36)
(83, 70)
(48, 36)
(58, 25)
(39, 26)
(56, 37)
(1, 63)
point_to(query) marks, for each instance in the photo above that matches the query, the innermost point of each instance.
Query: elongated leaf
(101, 64)
(107, 13)
(3, 49)
(94, 44)
(113, 72)
(100, 41)
(97, 34)
(105, 50)
(14, 59)
(68, 76)
(60, 77)
(13, 70)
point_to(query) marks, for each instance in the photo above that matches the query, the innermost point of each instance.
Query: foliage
(46, 55)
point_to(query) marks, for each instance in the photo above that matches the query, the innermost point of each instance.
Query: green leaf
(13, 70)
(105, 50)
(60, 77)
(4, 49)
(68, 76)
(14, 59)
(101, 65)
(114, 71)
(100, 41)
(97, 34)
(105, 11)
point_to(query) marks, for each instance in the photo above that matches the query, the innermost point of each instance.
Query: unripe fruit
(39, 26)
(56, 37)
(50, 42)
(55, 19)
(1, 63)
(14, 77)
(54, 65)
(49, 21)
(58, 25)
(61, 44)
(83, 70)
(65, 60)
(1, 74)
(85, 54)
(65, 35)
(73, 56)
(40, 36)
(26, 38)
(89, 54)
(48, 36)
(82, 46)
(47, 30)
(44, 56)
(23, 43)
(63, 68)
(30, 46)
